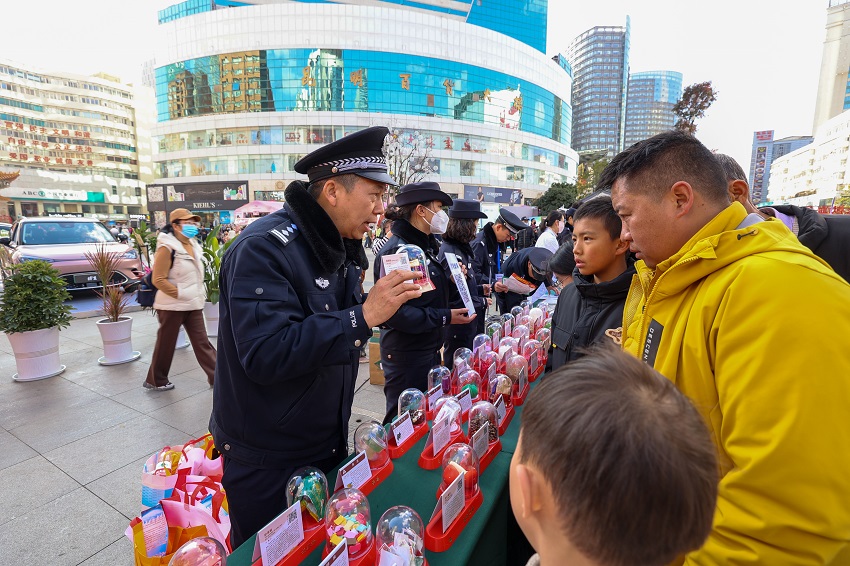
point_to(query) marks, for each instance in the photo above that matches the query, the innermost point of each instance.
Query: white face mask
(561, 226)
(439, 222)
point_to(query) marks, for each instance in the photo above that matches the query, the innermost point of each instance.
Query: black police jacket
(465, 257)
(419, 325)
(489, 255)
(585, 310)
(290, 330)
(516, 263)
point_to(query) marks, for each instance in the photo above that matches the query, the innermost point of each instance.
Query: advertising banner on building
(758, 176)
(501, 195)
(198, 196)
(766, 135)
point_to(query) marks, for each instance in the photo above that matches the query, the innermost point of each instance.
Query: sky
(762, 56)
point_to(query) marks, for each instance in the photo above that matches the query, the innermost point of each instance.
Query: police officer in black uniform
(292, 324)
(532, 264)
(413, 337)
(489, 250)
(463, 223)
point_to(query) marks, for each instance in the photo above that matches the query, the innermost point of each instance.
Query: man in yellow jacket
(754, 328)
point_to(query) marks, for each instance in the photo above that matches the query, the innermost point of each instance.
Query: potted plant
(116, 329)
(213, 252)
(32, 311)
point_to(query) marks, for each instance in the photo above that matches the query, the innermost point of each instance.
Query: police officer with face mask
(412, 338)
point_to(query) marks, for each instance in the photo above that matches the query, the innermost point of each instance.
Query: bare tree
(408, 156)
(695, 100)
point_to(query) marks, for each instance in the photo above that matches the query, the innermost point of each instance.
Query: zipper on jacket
(644, 325)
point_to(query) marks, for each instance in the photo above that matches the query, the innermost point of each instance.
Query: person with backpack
(178, 275)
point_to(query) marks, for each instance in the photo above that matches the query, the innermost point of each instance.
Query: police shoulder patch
(285, 232)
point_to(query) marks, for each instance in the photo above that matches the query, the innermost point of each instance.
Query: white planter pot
(117, 341)
(182, 339)
(211, 316)
(36, 354)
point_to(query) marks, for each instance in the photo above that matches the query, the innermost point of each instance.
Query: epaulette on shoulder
(285, 232)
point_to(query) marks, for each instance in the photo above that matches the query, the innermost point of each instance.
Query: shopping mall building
(72, 145)
(245, 89)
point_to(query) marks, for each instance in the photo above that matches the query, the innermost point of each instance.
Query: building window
(115, 191)
(138, 191)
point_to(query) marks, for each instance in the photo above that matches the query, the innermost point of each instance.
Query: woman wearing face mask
(412, 338)
(554, 225)
(178, 275)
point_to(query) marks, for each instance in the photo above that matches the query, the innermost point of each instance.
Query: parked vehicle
(63, 242)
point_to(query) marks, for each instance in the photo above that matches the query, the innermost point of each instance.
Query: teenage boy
(613, 467)
(591, 309)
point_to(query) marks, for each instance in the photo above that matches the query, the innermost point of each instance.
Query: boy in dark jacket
(592, 308)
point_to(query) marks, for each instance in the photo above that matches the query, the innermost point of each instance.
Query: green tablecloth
(484, 540)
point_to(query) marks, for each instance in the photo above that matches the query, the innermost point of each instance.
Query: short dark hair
(347, 181)
(629, 460)
(601, 209)
(731, 168)
(563, 262)
(462, 229)
(655, 164)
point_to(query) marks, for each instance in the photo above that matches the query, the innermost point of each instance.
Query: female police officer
(412, 338)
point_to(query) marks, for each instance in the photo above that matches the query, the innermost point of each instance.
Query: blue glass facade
(649, 107)
(291, 80)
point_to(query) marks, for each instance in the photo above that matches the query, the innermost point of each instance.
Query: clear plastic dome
(525, 320)
(349, 519)
(412, 400)
(516, 312)
(443, 376)
(462, 358)
(507, 345)
(516, 368)
(471, 380)
(526, 306)
(401, 526)
(484, 412)
(487, 361)
(457, 459)
(501, 386)
(494, 331)
(309, 486)
(534, 355)
(521, 334)
(200, 551)
(449, 406)
(372, 437)
(544, 336)
(418, 263)
(480, 344)
(535, 316)
(507, 324)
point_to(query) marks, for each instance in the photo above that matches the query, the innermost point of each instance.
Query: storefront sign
(198, 196)
(65, 214)
(45, 194)
(492, 194)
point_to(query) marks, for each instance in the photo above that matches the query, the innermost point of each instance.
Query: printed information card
(441, 434)
(355, 473)
(337, 557)
(402, 428)
(281, 536)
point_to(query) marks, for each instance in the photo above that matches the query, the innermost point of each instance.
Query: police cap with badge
(511, 221)
(360, 153)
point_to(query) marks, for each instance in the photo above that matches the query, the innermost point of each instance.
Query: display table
(484, 540)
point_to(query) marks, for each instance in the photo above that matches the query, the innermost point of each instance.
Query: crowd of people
(695, 407)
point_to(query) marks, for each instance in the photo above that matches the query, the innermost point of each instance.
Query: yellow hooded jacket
(755, 330)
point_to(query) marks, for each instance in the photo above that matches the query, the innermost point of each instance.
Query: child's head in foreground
(614, 466)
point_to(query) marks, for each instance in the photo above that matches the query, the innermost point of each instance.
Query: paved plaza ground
(72, 446)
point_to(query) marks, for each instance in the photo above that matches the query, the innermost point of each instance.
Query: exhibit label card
(441, 434)
(394, 262)
(460, 282)
(281, 536)
(501, 409)
(453, 500)
(402, 428)
(465, 400)
(337, 557)
(481, 440)
(355, 473)
(434, 394)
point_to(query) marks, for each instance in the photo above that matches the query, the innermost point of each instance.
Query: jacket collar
(613, 290)
(406, 231)
(462, 246)
(331, 249)
(490, 238)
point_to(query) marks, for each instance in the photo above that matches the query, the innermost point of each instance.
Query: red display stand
(438, 541)
(492, 450)
(430, 461)
(533, 377)
(378, 475)
(509, 414)
(518, 400)
(314, 535)
(365, 559)
(399, 451)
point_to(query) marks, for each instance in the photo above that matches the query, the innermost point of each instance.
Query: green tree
(588, 175)
(558, 195)
(695, 100)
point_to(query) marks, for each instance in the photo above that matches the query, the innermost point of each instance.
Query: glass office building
(649, 104)
(600, 62)
(244, 91)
